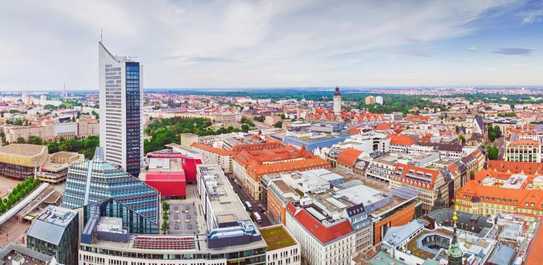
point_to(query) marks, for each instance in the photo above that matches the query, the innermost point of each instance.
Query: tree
(462, 139)
(492, 152)
(259, 118)
(20, 140)
(494, 133)
(35, 140)
(278, 124)
(245, 127)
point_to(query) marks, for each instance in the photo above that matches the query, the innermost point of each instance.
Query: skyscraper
(121, 110)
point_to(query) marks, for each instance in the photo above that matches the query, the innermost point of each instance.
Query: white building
(379, 100)
(337, 102)
(283, 249)
(121, 110)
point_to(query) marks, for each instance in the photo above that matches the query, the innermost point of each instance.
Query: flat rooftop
(225, 202)
(277, 237)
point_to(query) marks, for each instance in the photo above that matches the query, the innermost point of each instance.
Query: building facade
(55, 232)
(95, 182)
(121, 110)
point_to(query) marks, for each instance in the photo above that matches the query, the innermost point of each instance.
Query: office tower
(102, 185)
(337, 102)
(55, 232)
(121, 104)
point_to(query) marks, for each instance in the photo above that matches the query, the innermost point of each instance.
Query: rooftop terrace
(277, 237)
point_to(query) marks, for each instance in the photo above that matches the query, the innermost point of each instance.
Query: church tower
(454, 252)
(337, 103)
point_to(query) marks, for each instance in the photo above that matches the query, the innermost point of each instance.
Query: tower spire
(454, 252)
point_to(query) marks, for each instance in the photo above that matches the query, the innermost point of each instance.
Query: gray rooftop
(398, 234)
(51, 223)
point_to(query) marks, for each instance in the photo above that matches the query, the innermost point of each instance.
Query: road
(266, 221)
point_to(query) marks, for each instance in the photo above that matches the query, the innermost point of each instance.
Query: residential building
(55, 232)
(504, 187)
(332, 218)
(431, 185)
(369, 100)
(523, 150)
(121, 110)
(252, 161)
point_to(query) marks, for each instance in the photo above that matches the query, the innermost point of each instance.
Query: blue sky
(283, 43)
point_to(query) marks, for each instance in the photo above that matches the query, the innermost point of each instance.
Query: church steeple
(455, 252)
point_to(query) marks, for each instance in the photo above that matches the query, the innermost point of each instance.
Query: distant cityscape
(285, 177)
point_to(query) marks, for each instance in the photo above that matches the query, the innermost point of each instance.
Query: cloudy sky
(237, 44)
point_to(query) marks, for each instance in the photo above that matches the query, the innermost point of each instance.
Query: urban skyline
(322, 175)
(237, 44)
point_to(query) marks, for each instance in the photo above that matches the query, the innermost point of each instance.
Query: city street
(266, 221)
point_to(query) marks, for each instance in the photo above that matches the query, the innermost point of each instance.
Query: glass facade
(96, 181)
(133, 118)
(58, 240)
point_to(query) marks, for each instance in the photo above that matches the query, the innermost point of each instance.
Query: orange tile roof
(401, 139)
(256, 171)
(348, 157)
(354, 130)
(405, 169)
(323, 233)
(524, 142)
(521, 198)
(262, 159)
(417, 118)
(528, 168)
(211, 149)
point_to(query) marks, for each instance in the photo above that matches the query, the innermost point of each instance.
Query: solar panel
(179, 243)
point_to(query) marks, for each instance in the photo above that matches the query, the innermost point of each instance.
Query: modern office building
(121, 110)
(55, 232)
(209, 227)
(106, 186)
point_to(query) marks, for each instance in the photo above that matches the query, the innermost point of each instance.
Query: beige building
(523, 151)
(21, 161)
(56, 167)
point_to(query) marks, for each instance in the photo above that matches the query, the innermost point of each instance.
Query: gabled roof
(401, 139)
(323, 233)
(348, 157)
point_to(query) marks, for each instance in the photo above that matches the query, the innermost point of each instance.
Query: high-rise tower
(337, 102)
(121, 110)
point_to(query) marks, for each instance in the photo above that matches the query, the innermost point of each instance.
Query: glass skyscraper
(121, 104)
(115, 192)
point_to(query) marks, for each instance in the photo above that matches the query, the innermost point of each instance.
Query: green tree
(278, 124)
(35, 140)
(494, 133)
(492, 152)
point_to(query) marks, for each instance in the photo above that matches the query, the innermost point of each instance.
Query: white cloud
(224, 43)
